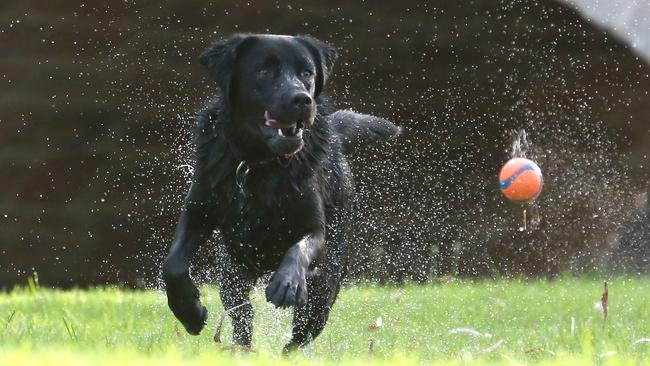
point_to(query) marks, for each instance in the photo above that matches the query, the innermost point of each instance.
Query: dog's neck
(263, 179)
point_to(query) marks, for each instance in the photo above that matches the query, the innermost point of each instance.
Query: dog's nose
(302, 100)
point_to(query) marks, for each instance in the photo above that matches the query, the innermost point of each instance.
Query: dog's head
(270, 84)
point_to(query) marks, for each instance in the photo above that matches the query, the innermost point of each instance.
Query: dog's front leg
(194, 227)
(289, 284)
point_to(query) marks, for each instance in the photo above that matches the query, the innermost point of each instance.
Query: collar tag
(240, 176)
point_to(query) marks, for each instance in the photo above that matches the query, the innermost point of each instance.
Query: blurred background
(97, 100)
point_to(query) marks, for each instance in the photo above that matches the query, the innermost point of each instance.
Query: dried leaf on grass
(396, 297)
(378, 324)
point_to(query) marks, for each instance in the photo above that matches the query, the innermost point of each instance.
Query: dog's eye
(307, 74)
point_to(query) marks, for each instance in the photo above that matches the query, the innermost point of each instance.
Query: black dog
(271, 174)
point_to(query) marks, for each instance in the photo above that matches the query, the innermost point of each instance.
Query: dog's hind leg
(310, 319)
(323, 288)
(234, 290)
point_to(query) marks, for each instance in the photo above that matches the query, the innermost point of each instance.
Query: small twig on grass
(217, 333)
(639, 341)
(9, 319)
(492, 348)
(469, 331)
(603, 300)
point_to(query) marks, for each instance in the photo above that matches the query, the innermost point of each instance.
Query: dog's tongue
(274, 123)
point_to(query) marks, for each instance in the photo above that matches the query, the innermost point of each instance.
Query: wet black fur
(262, 215)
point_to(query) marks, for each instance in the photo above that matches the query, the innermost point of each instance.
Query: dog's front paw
(183, 300)
(288, 287)
(191, 313)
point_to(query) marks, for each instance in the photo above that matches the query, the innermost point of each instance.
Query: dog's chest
(264, 224)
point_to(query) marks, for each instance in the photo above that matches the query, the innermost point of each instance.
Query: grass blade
(604, 299)
(9, 319)
(71, 331)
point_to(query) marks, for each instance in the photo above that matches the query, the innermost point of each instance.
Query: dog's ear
(324, 56)
(219, 60)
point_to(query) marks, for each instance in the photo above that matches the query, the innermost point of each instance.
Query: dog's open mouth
(284, 129)
(287, 139)
(293, 131)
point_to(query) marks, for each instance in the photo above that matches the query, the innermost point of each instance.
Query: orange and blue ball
(521, 180)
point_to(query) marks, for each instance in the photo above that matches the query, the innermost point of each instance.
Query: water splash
(521, 145)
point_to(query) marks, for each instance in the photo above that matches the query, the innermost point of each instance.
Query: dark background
(97, 100)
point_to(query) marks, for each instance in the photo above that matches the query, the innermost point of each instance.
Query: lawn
(555, 322)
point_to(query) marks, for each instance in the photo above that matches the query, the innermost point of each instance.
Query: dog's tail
(355, 129)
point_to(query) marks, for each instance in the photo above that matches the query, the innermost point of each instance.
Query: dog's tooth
(299, 134)
(280, 132)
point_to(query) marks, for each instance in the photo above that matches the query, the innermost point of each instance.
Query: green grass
(529, 323)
